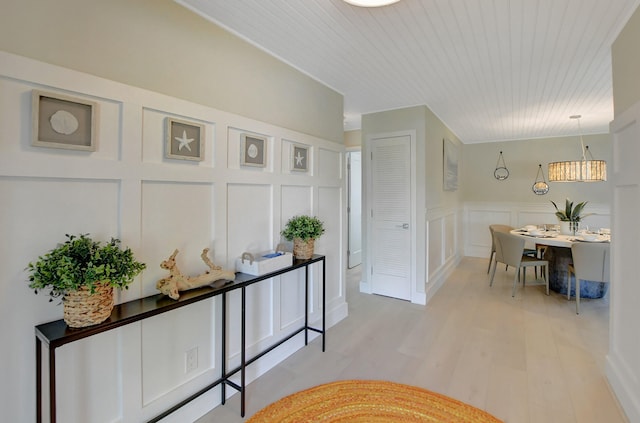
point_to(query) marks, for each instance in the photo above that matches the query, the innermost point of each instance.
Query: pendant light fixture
(371, 3)
(540, 186)
(501, 173)
(585, 170)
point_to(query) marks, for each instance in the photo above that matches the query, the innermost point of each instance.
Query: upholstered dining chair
(590, 263)
(506, 229)
(510, 251)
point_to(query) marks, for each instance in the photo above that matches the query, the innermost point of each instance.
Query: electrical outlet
(191, 360)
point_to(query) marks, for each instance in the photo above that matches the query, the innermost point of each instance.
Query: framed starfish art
(184, 140)
(299, 158)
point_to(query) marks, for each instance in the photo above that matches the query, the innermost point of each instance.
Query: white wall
(163, 47)
(522, 158)
(623, 360)
(128, 189)
(438, 213)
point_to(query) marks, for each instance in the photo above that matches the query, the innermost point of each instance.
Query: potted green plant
(84, 272)
(303, 231)
(570, 217)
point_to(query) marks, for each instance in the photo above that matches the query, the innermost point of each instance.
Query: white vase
(568, 228)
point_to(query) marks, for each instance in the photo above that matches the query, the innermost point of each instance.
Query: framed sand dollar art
(61, 121)
(253, 150)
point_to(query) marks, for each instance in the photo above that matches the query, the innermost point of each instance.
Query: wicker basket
(303, 249)
(81, 308)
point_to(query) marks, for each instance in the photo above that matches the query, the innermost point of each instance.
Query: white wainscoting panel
(443, 241)
(185, 226)
(330, 163)
(78, 366)
(165, 341)
(622, 364)
(128, 189)
(478, 217)
(329, 243)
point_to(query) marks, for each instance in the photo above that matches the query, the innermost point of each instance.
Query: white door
(354, 167)
(391, 217)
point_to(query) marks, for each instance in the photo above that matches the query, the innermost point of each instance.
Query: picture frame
(449, 165)
(253, 150)
(62, 121)
(184, 140)
(299, 158)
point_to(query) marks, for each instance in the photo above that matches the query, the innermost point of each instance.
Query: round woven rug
(369, 401)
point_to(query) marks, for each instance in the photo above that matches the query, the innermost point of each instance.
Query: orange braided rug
(369, 401)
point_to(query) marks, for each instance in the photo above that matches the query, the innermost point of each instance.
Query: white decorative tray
(262, 263)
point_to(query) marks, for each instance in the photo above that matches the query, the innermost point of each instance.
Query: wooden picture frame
(253, 150)
(184, 140)
(299, 158)
(449, 165)
(62, 121)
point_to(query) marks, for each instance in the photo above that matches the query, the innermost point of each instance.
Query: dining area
(573, 262)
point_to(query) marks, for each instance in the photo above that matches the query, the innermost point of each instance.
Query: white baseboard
(623, 387)
(440, 276)
(210, 400)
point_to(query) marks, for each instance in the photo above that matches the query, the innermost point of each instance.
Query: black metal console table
(57, 333)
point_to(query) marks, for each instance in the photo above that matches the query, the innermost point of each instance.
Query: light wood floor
(528, 359)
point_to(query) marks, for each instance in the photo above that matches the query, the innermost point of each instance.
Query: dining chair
(590, 263)
(510, 251)
(506, 229)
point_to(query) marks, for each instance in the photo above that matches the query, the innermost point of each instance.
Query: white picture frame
(184, 140)
(299, 158)
(62, 121)
(253, 150)
(449, 165)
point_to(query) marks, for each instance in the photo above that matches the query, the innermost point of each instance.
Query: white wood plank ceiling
(491, 70)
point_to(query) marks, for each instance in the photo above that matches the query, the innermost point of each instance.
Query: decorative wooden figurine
(176, 281)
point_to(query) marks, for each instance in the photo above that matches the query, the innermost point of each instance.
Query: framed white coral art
(61, 121)
(184, 140)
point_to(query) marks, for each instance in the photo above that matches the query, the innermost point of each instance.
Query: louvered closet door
(391, 217)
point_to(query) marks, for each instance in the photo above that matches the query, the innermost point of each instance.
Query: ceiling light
(583, 170)
(371, 3)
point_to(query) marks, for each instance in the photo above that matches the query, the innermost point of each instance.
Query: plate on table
(542, 234)
(599, 238)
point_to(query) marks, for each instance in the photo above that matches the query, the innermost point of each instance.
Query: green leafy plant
(303, 227)
(81, 261)
(571, 213)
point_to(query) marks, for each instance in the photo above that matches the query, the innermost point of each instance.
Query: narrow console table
(56, 334)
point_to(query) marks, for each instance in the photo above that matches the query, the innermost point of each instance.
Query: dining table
(558, 254)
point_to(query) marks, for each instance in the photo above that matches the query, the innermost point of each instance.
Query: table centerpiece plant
(303, 231)
(83, 272)
(571, 216)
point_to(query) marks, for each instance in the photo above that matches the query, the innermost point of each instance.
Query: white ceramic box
(262, 263)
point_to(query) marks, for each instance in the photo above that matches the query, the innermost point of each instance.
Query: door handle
(403, 226)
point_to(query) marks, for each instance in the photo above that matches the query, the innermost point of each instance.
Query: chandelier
(584, 170)
(371, 3)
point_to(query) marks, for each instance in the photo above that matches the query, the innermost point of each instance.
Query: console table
(57, 333)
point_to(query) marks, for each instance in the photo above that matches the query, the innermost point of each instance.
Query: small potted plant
(570, 217)
(84, 272)
(303, 231)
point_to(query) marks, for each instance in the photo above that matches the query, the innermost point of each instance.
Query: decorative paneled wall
(478, 217)
(128, 188)
(443, 247)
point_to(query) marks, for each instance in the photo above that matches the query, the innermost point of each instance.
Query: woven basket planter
(82, 308)
(303, 249)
